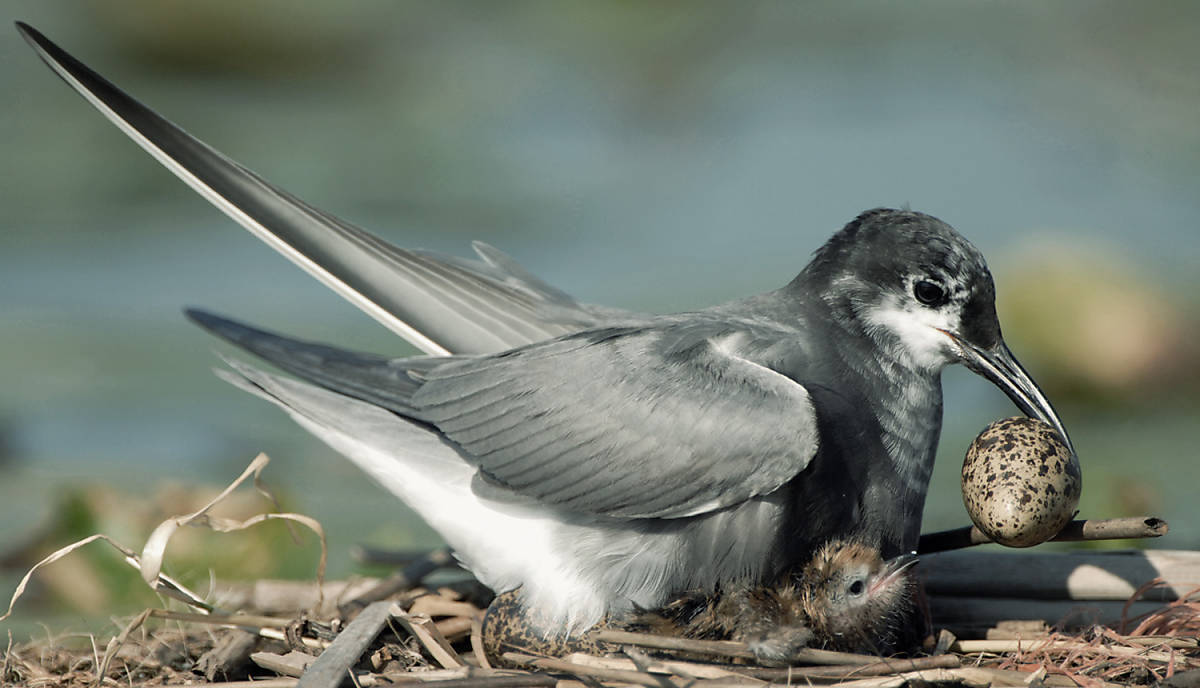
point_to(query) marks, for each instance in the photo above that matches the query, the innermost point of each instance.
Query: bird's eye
(929, 293)
(857, 588)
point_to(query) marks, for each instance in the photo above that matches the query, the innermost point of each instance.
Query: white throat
(913, 335)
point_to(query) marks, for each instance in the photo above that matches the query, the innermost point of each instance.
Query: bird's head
(853, 597)
(924, 296)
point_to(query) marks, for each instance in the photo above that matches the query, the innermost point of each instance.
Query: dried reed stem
(1091, 529)
(723, 648)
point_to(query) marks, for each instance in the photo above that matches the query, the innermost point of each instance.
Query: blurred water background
(656, 156)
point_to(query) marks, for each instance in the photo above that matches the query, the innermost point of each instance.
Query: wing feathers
(601, 422)
(610, 422)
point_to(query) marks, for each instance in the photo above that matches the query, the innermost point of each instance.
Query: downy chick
(846, 598)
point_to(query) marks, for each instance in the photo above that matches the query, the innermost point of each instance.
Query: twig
(281, 635)
(265, 683)
(878, 668)
(604, 673)
(269, 627)
(436, 605)
(658, 666)
(438, 676)
(720, 648)
(970, 676)
(477, 643)
(1163, 641)
(1075, 531)
(336, 660)
(1010, 677)
(293, 664)
(1050, 645)
(116, 643)
(723, 648)
(239, 620)
(424, 630)
(531, 679)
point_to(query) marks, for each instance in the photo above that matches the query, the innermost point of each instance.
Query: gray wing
(626, 422)
(639, 421)
(439, 303)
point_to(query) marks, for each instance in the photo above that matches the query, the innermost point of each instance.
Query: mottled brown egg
(508, 626)
(1020, 482)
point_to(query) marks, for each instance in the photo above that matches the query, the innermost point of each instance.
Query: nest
(421, 634)
(370, 632)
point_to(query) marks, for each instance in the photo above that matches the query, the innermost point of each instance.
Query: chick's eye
(857, 587)
(929, 293)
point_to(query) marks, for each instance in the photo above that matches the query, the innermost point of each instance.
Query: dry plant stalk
(1136, 527)
(164, 584)
(1179, 618)
(1091, 660)
(638, 678)
(423, 629)
(156, 545)
(722, 648)
(149, 564)
(683, 669)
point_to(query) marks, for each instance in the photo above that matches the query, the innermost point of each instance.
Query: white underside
(505, 546)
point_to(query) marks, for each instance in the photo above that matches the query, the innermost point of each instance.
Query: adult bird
(600, 460)
(603, 469)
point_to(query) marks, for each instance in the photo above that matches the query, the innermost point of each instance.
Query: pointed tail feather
(379, 380)
(440, 304)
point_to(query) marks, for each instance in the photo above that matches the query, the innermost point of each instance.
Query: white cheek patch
(922, 344)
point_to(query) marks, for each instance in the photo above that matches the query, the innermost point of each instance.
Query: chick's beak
(998, 365)
(893, 569)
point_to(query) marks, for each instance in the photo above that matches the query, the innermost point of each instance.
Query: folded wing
(622, 422)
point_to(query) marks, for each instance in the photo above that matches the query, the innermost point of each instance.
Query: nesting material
(378, 648)
(425, 635)
(1020, 482)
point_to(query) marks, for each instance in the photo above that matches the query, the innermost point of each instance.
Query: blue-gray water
(653, 156)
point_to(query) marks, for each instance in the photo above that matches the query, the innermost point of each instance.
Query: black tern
(601, 460)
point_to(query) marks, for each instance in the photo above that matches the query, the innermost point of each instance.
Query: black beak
(1000, 366)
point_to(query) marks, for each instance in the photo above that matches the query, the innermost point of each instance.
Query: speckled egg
(508, 626)
(1020, 482)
